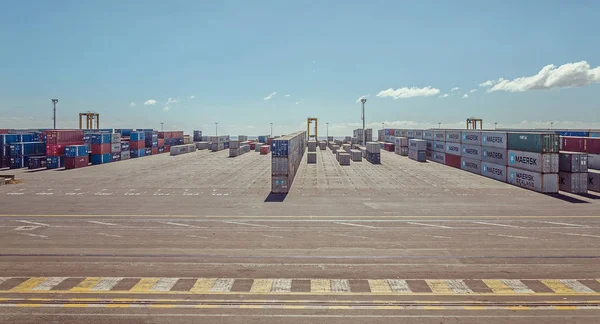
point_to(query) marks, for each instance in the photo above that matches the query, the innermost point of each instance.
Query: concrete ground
(198, 238)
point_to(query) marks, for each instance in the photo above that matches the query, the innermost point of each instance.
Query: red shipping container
(252, 146)
(61, 136)
(593, 145)
(388, 147)
(76, 162)
(265, 149)
(59, 149)
(3, 131)
(101, 148)
(154, 150)
(453, 160)
(161, 142)
(167, 148)
(137, 145)
(573, 144)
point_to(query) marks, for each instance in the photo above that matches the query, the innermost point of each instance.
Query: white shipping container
(594, 161)
(428, 135)
(373, 147)
(438, 157)
(494, 155)
(453, 136)
(494, 171)
(471, 151)
(537, 162)
(401, 141)
(202, 145)
(439, 146)
(344, 159)
(417, 145)
(410, 133)
(540, 182)
(356, 155)
(470, 165)
(573, 182)
(594, 180)
(471, 137)
(439, 135)
(494, 139)
(418, 134)
(453, 148)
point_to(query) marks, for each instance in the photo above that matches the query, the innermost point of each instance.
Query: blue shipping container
(137, 136)
(76, 150)
(148, 151)
(101, 138)
(115, 157)
(572, 133)
(279, 148)
(27, 149)
(55, 162)
(124, 146)
(100, 158)
(5, 141)
(138, 153)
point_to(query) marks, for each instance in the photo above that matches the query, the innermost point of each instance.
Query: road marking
(357, 225)
(432, 225)
(513, 236)
(444, 237)
(273, 236)
(400, 286)
(379, 286)
(494, 224)
(307, 218)
(34, 235)
(3, 279)
(29, 284)
(262, 285)
(351, 236)
(33, 223)
(109, 235)
(106, 284)
(320, 285)
(203, 285)
(86, 285)
(26, 228)
(49, 283)
(144, 285)
(178, 224)
(282, 285)
(507, 286)
(164, 284)
(566, 286)
(566, 224)
(102, 223)
(240, 223)
(340, 285)
(223, 285)
(575, 234)
(454, 286)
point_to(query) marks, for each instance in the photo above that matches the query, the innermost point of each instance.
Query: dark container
(36, 162)
(374, 158)
(573, 162)
(55, 162)
(101, 158)
(76, 162)
(453, 160)
(137, 153)
(125, 146)
(573, 144)
(115, 157)
(101, 148)
(534, 142)
(148, 151)
(72, 151)
(101, 138)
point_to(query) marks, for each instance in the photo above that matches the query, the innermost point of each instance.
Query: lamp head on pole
(363, 100)
(54, 100)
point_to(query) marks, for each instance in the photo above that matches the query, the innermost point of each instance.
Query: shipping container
(311, 157)
(73, 151)
(494, 155)
(534, 142)
(438, 157)
(439, 146)
(420, 156)
(197, 136)
(356, 155)
(101, 138)
(576, 183)
(115, 138)
(373, 158)
(571, 133)
(373, 147)
(470, 165)
(388, 147)
(439, 135)
(574, 162)
(471, 138)
(401, 141)
(115, 148)
(100, 158)
(265, 149)
(37, 162)
(312, 146)
(136, 145)
(344, 159)
(27, 149)
(494, 171)
(593, 161)
(101, 148)
(115, 157)
(409, 133)
(453, 136)
(429, 145)
(573, 144)
(137, 153)
(472, 152)
(125, 146)
(418, 134)
(76, 162)
(536, 162)
(323, 146)
(125, 155)
(453, 160)
(594, 180)
(594, 134)
(416, 145)
(137, 137)
(540, 182)
(428, 135)
(453, 148)
(58, 136)
(55, 162)
(494, 139)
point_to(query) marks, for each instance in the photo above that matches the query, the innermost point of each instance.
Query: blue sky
(231, 55)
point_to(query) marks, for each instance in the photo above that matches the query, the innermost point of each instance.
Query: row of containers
(388, 134)
(52, 149)
(543, 162)
(286, 154)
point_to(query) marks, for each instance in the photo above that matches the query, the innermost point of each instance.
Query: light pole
(162, 128)
(551, 123)
(327, 140)
(54, 101)
(495, 126)
(439, 125)
(271, 129)
(363, 101)
(382, 125)
(216, 129)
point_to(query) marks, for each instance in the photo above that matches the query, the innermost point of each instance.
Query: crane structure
(472, 123)
(89, 120)
(309, 121)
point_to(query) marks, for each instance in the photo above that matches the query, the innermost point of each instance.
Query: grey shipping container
(115, 147)
(401, 141)
(540, 182)
(257, 146)
(234, 144)
(334, 148)
(494, 155)
(356, 155)
(534, 142)
(439, 146)
(330, 139)
(573, 182)
(410, 133)
(453, 136)
(594, 180)
(594, 161)
(429, 145)
(311, 157)
(323, 145)
(471, 137)
(494, 139)
(312, 146)
(417, 155)
(428, 135)
(438, 157)
(373, 147)
(417, 145)
(125, 155)
(280, 165)
(280, 184)
(494, 171)
(404, 151)
(537, 162)
(202, 145)
(453, 148)
(418, 134)
(471, 151)
(439, 135)
(572, 162)
(344, 159)
(470, 165)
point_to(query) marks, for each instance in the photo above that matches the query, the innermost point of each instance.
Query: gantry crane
(89, 120)
(472, 123)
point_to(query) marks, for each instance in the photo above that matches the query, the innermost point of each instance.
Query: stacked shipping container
(286, 155)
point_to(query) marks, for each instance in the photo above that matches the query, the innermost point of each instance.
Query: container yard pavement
(190, 238)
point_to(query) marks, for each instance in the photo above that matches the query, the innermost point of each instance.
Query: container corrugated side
(428, 135)
(470, 165)
(593, 161)
(439, 146)
(453, 148)
(534, 142)
(540, 182)
(417, 145)
(494, 139)
(438, 157)
(536, 162)
(594, 180)
(471, 151)
(453, 136)
(573, 182)
(494, 155)
(471, 137)
(494, 171)
(573, 162)
(439, 135)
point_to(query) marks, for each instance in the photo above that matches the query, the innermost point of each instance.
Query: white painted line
(494, 224)
(513, 236)
(34, 235)
(577, 286)
(352, 236)
(107, 284)
(398, 285)
(164, 284)
(340, 285)
(240, 223)
(517, 286)
(438, 236)
(197, 236)
(432, 225)
(33, 223)
(3, 279)
(566, 224)
(575, 234)
(273, 236)
(223, 285)
(358, 225)
(177, 224)
(102, 223)
(282, 285)
(49, 283)
(26, 228)
(109, 235)
(458, 286)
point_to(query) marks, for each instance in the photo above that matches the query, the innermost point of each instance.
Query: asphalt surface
(191, 239)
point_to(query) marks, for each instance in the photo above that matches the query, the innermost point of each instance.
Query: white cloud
(465, 96)
(150, 102)
(297, 102)
(487, 83)
(454, 89)
(444, 95)
(172, 101)
(270, 96)
(473, 90)
(191, 97)
(287, 95)
(132, 104)
(409, 92)
(570, 75)
(362, 97)
(166, 108)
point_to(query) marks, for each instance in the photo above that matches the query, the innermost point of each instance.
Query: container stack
(182, 149)
(346, 148)
(573, 172)
(494, 155)
(197, 136)
(236, 148)
(453, 148)
(373, 153)
(344, 158)
(428, 137)
(5, 141)
(37, 162)
(334, 148)
(358, 134)
(203, 146)
(417, 149)
(533, 161)
(115, 147)
(257, 146)
(471, 151)
(390, 147)
(286, 155)
(591, 146)
(137, 144)
(76, 156)
(439, 147)
(323, 146)
(401, 146)
(311, 158)
(20, 152)
(312, 146)
(242, 138)
(329, 139)
(219, 143)
(264, 149)
(56, 140)
(356, 155)
(151, 142)
(101, 148)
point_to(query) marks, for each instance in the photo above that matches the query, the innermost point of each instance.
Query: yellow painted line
(293, 307)
(203, 285)
(162, 306)
(434, 307)
(29, 284)
(474, 307)
(5, 299)
(40, 299)
(565, 307)
(338, 307)
(439, 286)
(389, 307)
(519, 307)
(144, 285)
(76, 305)
(86, 285)
(118, 305)
(308, 217)
(320, 286)
(558, 287)
(498, 286)
(379, 286)
(252, 306)
(29, 305)
(85, 299)
(262, 285)
(205, 306)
